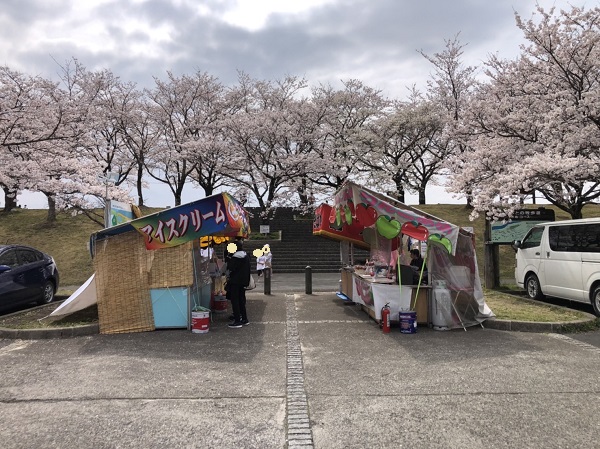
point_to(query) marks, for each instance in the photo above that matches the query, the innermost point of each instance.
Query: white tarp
(83, 297)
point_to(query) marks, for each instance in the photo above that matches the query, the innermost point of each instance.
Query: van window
(575, 238)
(562, 238)
(588, 240)
(533, 238)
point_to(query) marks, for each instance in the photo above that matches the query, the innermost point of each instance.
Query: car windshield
(533, 238)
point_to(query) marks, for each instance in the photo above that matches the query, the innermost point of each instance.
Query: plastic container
(442, 308)
(408, 322)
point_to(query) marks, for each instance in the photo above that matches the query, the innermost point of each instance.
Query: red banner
(336, 226)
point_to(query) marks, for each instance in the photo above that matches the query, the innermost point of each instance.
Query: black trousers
(237, 295)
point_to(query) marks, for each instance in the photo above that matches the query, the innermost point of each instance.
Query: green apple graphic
(388, 228)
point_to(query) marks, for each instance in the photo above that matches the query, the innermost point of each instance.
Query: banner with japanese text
(218, 215)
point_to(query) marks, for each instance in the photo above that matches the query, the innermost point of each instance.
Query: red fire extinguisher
(385, 318)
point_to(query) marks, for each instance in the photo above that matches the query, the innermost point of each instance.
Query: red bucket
(200, 322)
(220, 304)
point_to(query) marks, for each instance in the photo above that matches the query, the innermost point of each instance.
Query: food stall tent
(453, 296)
(149, 272)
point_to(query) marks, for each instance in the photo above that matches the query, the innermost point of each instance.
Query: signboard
(118, 213)
(523, 220)
(265, 229)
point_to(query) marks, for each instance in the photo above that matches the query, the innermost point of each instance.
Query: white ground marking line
(15, 346)
(333, 321)
(575, 342)
(299, 433)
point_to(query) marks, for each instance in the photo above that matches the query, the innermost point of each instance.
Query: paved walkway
(310, 371)
(296, 282)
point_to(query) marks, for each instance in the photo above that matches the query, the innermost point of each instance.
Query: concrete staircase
(298, 247)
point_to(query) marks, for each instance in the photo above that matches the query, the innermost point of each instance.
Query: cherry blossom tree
(104, 139)
(209, 150)
(183, 109)
(536, 125)
(407, 148)
(338, 146)
(89, 146)
(139, 135)
(30, 112)
(263, 131)
(38, 127)
(451, 86)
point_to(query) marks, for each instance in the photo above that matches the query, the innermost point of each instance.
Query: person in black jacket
(238, 278)
(417, 264)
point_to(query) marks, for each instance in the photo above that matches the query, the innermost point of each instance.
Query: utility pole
(108, 177)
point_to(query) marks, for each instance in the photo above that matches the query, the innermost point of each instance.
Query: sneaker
(235, 325)
(245, 322)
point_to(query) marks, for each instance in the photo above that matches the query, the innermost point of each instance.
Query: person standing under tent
(238, 278)
(226, 258)
(208, 252)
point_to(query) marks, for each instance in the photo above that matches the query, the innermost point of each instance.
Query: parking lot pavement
(588, 338)
(309, 371)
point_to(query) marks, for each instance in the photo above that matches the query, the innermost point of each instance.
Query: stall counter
(374, 293)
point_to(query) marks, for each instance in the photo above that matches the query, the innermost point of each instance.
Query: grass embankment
(508, 307)
(37, 318)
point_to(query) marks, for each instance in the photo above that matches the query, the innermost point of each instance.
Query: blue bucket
(408, 322)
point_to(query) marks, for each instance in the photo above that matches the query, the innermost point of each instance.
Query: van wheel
(596, 301)
(532, 284)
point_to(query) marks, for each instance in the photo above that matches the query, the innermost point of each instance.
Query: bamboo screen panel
(124, 303)
(170, 267)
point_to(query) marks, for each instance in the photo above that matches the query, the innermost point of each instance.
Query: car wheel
(48, 293)
(532, 284)
(596, 301)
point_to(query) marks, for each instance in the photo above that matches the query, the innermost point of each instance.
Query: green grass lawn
(508, 307)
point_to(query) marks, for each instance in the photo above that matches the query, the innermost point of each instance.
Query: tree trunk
(400, 194)
(177, 194)
(302, 194)
(422, 196)
(491, 262)
(10, 199)
(139, 188)
(51, 218)
(576, 211)
(469, 195)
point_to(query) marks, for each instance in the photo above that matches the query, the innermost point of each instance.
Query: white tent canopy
(83, 297)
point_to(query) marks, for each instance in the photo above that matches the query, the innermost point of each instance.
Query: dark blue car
(26, 275)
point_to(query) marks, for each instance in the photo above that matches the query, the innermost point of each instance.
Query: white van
(561, 259)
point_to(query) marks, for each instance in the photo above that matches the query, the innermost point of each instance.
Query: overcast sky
(325, 41)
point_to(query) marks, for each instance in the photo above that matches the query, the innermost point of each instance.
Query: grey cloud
(339, 40)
